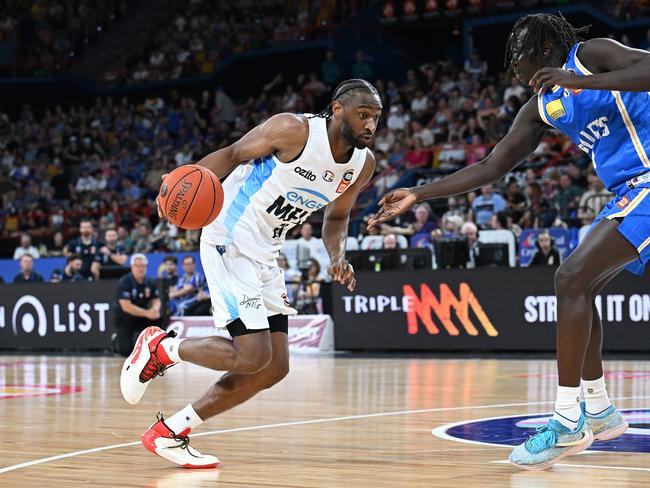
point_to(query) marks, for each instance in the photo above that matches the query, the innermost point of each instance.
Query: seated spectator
(163, 236)
(26, 248)
(291, 277)
(55, 248)
(27, 273)
(125, 240)
(486, 205)
(169, 269)
(390, 242)
(567, 197)
(307, 245)
(539, 212)
(137, 306)
(418, 157)
(72, 270)
(470, 232)
(516, 200)
(112, 253)
(143, 238)
(189, 294)
(87, 247)
(593, 200)
(308, 301)
(419, 231)
(546, 254)
(450, 228)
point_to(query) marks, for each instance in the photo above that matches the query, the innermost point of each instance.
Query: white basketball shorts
(241, 287)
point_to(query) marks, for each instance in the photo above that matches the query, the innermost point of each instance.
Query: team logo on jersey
(328, 176)
(305, 173)
(345, 181)
(555, 109)
(285, 299)
(623, 202)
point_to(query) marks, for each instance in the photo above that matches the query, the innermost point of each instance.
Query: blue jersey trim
(262, 170)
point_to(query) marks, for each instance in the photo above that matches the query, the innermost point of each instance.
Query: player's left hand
(343, 272)
(548, 77)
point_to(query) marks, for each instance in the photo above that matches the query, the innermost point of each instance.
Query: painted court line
(287, 424)
(590, 466)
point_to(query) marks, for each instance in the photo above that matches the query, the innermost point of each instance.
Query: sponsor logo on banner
(488, 309)
(424, 306)
(67, 315)
(540, 309)
(29, 316)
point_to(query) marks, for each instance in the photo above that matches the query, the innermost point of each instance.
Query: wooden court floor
(334, 422)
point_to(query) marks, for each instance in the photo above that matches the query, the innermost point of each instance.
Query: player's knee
(275, 372)
(254, 359)
(570, 280)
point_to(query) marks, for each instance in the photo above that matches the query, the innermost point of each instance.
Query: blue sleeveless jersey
(612, 127)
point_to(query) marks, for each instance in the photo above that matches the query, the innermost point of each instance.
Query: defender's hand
(547, 77)
(393, 204)
(343, 272)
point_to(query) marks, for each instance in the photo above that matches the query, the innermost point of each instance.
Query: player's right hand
(160, 214)
(392, 204)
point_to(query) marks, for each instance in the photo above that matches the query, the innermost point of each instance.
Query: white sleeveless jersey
(266, 198)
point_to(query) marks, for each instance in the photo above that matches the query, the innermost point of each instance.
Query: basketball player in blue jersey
(596, 92)
(278, 174)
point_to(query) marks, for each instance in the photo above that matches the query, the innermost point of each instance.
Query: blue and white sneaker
(551, 443)
(607, 425)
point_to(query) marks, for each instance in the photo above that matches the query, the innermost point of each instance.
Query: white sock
(567, 406)
(184, 419)
(596, 398)
(171, 345)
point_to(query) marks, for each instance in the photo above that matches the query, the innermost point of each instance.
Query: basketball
(191, 197)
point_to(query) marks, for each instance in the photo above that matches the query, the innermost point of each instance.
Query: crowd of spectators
(104, 162)
(43, 37)
(203, 33)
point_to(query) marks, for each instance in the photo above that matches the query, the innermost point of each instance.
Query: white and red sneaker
(145, 363)
(163, 442)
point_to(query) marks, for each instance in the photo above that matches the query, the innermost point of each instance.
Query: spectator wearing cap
(26, 248)
(27, 273)
(137, 306)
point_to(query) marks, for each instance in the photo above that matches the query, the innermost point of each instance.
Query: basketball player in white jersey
(279, 173)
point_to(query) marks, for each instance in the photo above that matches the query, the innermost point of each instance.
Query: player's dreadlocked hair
(345, 90)
(543, 27)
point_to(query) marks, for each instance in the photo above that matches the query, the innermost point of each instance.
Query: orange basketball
(191, 196)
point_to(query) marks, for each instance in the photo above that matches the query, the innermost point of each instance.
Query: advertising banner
(307, 333)
(72, 316)
(491, 309)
